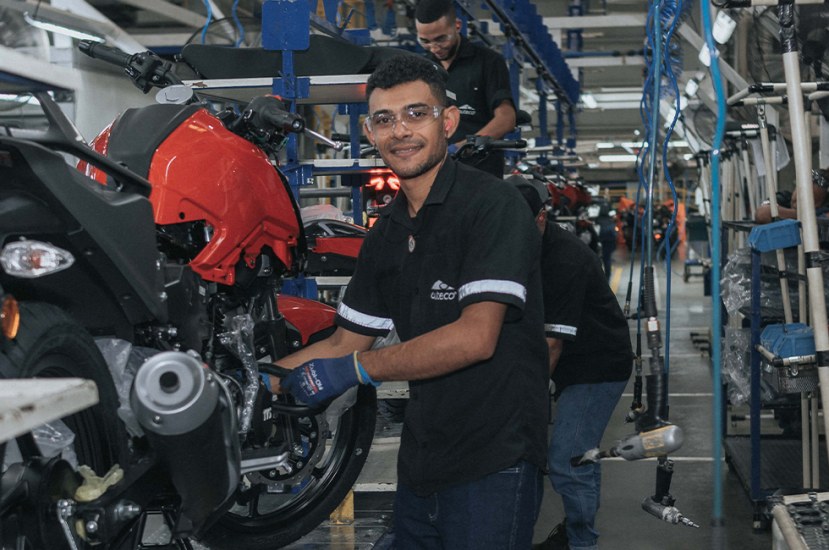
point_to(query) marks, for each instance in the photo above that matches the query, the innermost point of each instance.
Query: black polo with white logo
(479, 79)
(472, 241)
(581, 309)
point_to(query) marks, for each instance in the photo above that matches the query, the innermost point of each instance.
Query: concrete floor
(622, 523)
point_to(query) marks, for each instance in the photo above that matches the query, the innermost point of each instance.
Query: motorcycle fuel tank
(202, 172)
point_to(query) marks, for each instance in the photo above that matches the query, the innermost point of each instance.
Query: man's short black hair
(534, 192)
(429, 11)
(409, 68)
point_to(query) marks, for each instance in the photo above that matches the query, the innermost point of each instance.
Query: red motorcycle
(181, 245)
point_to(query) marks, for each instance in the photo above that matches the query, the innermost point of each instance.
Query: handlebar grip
(284, 120)
(113, 56)
(507, 144)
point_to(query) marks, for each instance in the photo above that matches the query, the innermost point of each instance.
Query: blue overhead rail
(521, 23)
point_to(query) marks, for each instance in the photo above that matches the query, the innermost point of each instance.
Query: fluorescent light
(687, 156)
(691, 88)
(605, 145)
(60, 29)
(589, 101)
(617, 158)
(618, 96)
(23, 98)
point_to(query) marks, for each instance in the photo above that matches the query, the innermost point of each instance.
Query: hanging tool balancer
(655, 436)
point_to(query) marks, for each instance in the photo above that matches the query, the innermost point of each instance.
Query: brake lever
(336, 145)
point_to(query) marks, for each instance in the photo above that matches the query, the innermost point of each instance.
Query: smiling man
(452, 264)
(478, 77)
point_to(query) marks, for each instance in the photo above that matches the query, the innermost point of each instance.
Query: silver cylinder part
(173, 394)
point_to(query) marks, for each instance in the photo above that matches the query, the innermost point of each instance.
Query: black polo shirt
(479, 78)
(581, 309)
(472, 242)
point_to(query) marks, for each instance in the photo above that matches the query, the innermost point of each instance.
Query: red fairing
(344, 246)
(308, 316)
(230, 184)
(225, 181)
(99, 144)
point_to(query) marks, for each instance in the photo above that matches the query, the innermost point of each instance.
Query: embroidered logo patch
(467, 109)
(443, 292)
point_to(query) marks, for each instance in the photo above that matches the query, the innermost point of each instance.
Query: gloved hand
(453, 148)
(319, 380)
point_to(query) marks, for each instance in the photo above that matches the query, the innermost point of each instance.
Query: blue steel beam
(521, 23)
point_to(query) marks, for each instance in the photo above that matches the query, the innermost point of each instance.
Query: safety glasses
(414, 117)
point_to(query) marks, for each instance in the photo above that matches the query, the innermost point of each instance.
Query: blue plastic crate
(771, 236)
(790, 340)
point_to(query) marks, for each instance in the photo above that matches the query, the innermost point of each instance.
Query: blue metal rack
(286, 26)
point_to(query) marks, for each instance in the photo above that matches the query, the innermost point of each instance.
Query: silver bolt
(127, 510)
(156, 419)
(162, 296)
(65, 508)
(91, 526)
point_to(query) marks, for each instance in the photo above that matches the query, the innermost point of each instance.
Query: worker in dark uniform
(590, 364)
(478, 77)
(452, 265)
(820, 192)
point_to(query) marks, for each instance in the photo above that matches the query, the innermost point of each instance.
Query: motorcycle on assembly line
(633, 215)
(570, 202)
(171, 234)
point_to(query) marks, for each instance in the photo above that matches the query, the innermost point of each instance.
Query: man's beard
(430, 162)
(453, 51)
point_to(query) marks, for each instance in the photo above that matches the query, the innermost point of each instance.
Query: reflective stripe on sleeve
(364, 320)
(493, 285)
(561, 329)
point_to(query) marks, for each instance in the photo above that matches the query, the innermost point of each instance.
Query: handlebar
(481, 145)
(109, 55)
(145, 69)
(284, 121)
(507, 144)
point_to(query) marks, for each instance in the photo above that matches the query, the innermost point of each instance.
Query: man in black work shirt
(478, 77)
(452, 264)
(590, 363)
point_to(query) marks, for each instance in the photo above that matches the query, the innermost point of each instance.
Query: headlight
(32, 259)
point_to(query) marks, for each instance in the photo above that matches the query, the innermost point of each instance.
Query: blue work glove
(453, 148)
(320, 380)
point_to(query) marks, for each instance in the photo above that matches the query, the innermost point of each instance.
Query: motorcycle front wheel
(271, 520)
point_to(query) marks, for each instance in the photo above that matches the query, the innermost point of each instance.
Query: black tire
(330, 482)
(49, 344)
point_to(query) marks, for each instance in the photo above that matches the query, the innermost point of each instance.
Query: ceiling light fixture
(617, 158)
(589, 101)
(61, 29)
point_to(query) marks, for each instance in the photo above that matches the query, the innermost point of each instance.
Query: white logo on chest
(443, 292)
(467, 109)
